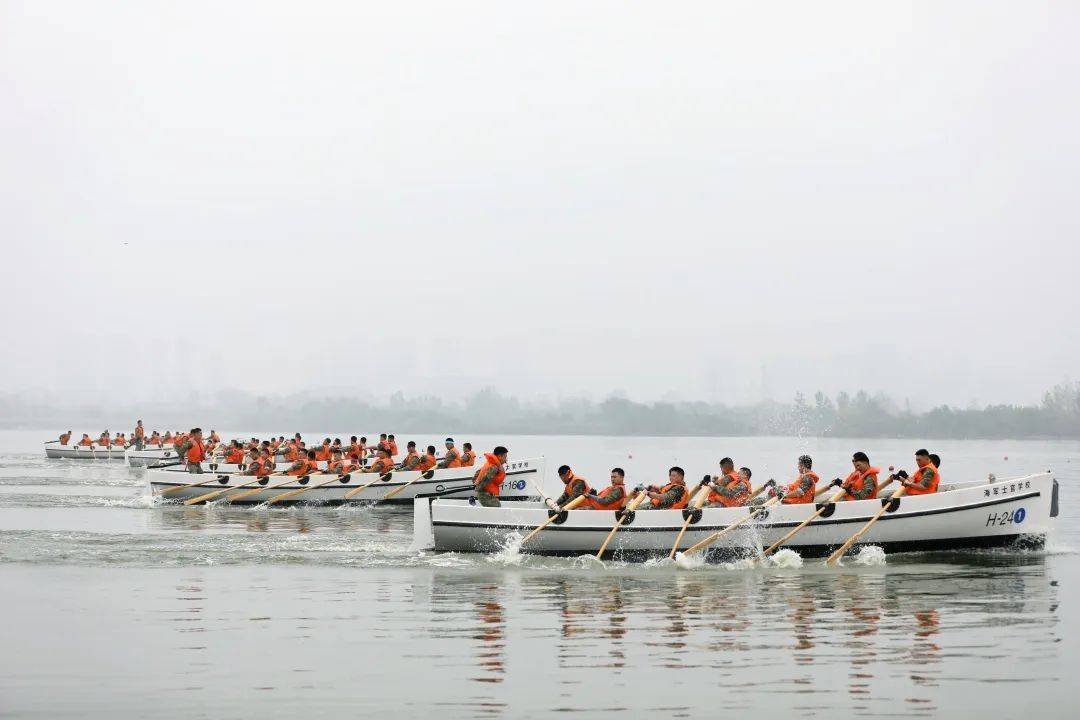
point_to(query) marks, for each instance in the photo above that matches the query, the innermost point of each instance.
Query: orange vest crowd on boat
(731, 488)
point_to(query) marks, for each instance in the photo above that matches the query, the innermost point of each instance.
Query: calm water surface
(115, 606)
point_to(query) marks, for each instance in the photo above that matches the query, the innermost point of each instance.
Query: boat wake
(785, 558)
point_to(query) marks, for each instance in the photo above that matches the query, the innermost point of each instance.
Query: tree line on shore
(489, 412)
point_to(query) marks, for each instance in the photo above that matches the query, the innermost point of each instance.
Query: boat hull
(150, 455)
(55, 450)
(521, 477)
(985, 515)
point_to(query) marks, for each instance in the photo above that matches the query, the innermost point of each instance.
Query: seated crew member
(382, 463)
(468, 457)
(573, 486)
(322, 453)
(120, 440)
(104, 441)
(86, 441)
(924, 481)
(672, 496)
(235, 454)
(862, 483)
(335, 466)
(156, 439)
(452, 459)
(336, 445)
(391, 444)
(427, 460)
(195, 451)
(305, 465)
(411, 460)
(166, 438)
(934, 458)
(292, 452)
(731, 489)
(383, 443)
(260, 465)
(614, 496)
(355, 452)
(802, 490)
(489, 478)
(65, 437)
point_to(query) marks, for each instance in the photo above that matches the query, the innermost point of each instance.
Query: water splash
(690, 562)
(786, 558)
(868, 556)
(509, 553)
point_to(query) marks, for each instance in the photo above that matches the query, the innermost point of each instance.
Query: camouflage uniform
(672, 496)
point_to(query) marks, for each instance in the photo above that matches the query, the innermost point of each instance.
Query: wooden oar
(752, 495)
(721, 533)
(835, 498)
(358, 490)
(568, 506)
(166, 491)
(422, 476)
(695, 504)
(211, 495)
(855, 538)
(298, 491)
(633, 505)
(255, 491)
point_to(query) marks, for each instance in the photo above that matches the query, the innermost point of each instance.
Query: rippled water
(118, 606)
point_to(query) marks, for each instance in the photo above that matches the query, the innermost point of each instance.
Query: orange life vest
(933, 483)
(426, 463)
(103, 440)
(453, 458)
(468, 458)
(304, 468)
(118, 441)
(323, 453)
(259, 468)
(197, 452)
(491, 486)
(382, 466)
(392, 447)
(292, 454)
(678, 504)
(571, 479)
(795, 497)
(856, 480)
(140, 431)
(355, 451)
(235, 456)
(86, 442)
(732, 480)
(64, 439)
(617, 505)
(334, 468)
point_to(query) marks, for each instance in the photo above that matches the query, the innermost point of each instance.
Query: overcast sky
(686, 200)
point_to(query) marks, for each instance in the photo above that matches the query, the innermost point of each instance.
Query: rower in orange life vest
(452, 459)
(235, 454)
(468, 457)
(731, 489)
(383, 464)
(612, 497)
(427, 460)
(802, 490)
(573, 486)
(86, 441)
(862, 483)
(489, 478)
(412, 458)
(335, 466)
(65, 437)
(322, 454)
(306, 465)
(195, 452)
(260, 465)
(104, 441)
(391, 445)
(672, 496)
(925, 480)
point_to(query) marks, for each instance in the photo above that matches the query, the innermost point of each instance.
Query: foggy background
(695, 201)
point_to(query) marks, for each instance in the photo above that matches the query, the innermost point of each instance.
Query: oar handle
(633, 505)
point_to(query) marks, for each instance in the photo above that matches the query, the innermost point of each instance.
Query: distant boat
(53, 449)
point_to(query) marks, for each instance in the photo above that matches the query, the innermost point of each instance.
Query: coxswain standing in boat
(612, 497)
(411, 460)
(452, 458)
(468, 457)
(731, 489)
(489, 478)
(139, 436)
(195, 451)
(862, 483)
(925, 480)
(803, 489)
(573, 487)
(672, 496)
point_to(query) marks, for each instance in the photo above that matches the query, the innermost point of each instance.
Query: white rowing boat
(970, 515)
(521, 477)
(149, 455)
(53, 449)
